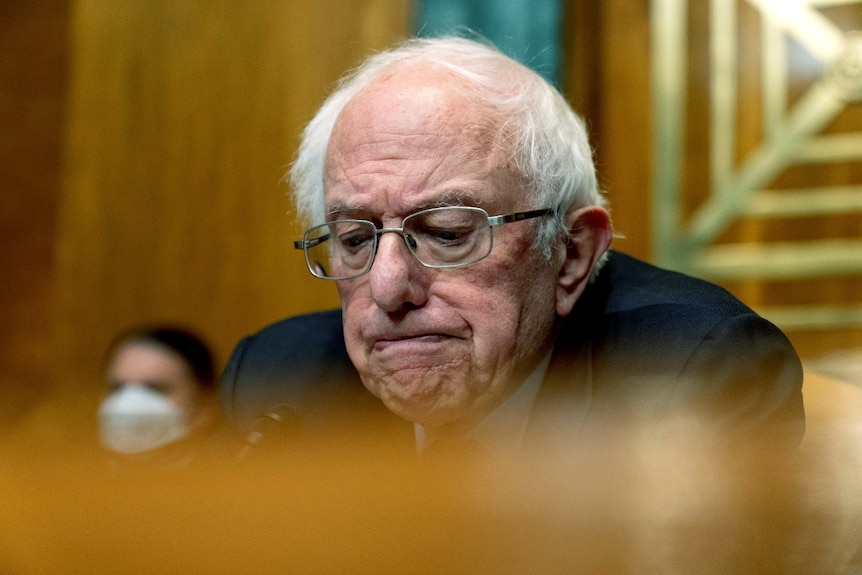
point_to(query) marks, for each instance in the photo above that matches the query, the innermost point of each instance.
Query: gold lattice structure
(793, 135)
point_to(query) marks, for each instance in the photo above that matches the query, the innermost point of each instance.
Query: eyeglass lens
(438, 237)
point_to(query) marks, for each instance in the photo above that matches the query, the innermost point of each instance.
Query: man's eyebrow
(457, 198)
(448, 198)
(342, 210)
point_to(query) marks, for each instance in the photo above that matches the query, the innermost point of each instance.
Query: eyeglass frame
(493, 221)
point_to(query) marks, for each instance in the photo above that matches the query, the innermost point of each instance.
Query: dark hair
(185, 343)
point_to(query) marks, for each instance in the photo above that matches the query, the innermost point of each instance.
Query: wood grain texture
(182, 119)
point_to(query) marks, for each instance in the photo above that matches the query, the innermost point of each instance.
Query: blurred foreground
(632, 505)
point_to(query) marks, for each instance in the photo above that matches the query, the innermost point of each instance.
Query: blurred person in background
(160, 403)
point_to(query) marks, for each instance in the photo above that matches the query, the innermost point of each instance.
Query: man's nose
(395, 274)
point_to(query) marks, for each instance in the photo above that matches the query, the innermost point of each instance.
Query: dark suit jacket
(643, 344)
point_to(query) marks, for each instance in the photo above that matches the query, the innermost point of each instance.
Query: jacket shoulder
(294, 361)
(661, 338)
(631, 283)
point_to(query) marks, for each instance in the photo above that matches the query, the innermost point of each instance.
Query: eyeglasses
(445, 237)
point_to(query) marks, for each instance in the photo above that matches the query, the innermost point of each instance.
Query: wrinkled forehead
(415, 100)
(426, 125)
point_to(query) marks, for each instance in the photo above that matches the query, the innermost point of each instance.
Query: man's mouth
(409, 341)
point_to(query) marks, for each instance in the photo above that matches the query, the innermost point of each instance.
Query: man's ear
(590, 230)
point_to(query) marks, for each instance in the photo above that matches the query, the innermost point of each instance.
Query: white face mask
(135, 419)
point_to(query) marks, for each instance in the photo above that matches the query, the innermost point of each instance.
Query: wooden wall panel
(607, 78)
(33, 58)
(182, 118)
(802, 70)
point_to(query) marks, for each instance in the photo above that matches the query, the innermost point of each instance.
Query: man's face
(441, 347)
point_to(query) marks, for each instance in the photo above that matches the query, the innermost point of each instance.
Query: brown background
(143, 143)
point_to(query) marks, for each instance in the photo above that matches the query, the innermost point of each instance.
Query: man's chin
(429, 404)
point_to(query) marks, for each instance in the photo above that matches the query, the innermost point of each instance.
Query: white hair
(548, 141)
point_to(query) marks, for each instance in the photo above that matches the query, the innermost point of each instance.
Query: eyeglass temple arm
(302, 244)
(517, 217)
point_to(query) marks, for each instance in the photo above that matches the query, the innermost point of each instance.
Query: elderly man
(452, 198)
